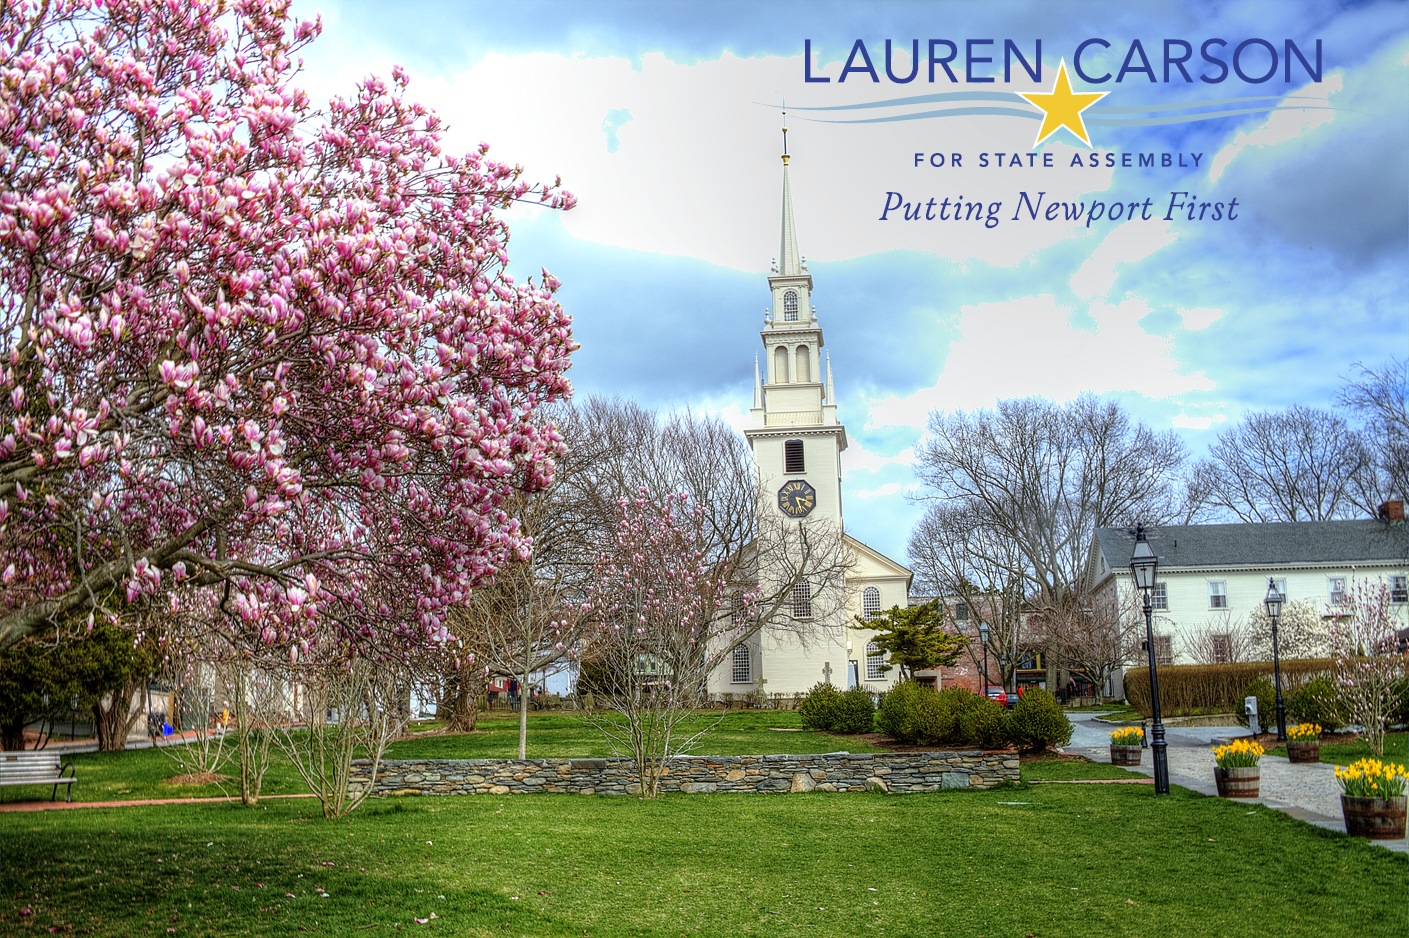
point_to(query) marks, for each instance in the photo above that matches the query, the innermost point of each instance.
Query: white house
(797, 441)
(1213, 576)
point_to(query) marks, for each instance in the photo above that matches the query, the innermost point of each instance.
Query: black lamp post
(1142, 569)
(983, 638)
(1273, 602)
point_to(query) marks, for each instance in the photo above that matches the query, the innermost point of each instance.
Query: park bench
(36, 767)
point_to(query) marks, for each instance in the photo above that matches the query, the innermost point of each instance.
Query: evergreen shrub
(984, 724)
(899, 708)
(819, 706)
(1266, 703)
(1317, 701)
(855, 712)
(1039, 721)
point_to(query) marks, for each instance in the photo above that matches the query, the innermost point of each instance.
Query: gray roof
(1288, 543)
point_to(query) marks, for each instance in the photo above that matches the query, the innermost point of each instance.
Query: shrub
(984, 724)
(1399, 716)
(1039, 721)
(899, 710)
(1212, 688)
(933, 720)
(855, 712)
(818, 707)
(1316, 701)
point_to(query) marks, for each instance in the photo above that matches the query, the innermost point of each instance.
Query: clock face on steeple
(796, 498)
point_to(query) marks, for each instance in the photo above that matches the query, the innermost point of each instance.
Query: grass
(1340, 751)
(1051, 860)
(144, 773)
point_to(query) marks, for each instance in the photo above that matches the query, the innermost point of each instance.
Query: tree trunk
(461, 703)
(113, 722)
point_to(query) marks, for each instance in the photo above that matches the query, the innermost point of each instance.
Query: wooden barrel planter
(1375, 818)
(1237, 782)
(1125, 755)
(1303, 750)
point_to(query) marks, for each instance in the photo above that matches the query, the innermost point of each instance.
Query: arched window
(792, 456)
(804, 364)
(802, 600)
(870, 602)
(790, 306)
(875, 662)
(741, 670)
(780, 365)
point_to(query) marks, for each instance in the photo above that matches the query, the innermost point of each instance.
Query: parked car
(998, 695)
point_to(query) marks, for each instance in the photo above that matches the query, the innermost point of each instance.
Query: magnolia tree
(1370, 662)
(662, 618)
(251, 343)
(1302, 632)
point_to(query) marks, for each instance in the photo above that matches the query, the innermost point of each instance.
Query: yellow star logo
(1062, 107)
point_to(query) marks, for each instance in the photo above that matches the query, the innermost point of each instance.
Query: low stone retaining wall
(899, 772)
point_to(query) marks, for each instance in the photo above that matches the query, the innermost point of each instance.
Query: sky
(664, 119)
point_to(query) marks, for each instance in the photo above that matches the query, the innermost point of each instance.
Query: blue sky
(662, 118)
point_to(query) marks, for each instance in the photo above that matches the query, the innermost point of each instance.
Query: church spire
(789, 261)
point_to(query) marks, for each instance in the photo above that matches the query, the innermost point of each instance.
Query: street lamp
(1142, 568)
(983, 638)
(1273, 602)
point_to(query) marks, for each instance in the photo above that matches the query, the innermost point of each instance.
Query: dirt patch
(198, 778)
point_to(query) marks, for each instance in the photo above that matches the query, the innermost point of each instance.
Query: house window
(1159, 596)
(1399, 589)
(875, 662)
(802, 600)
(790, 306)
(1218, 594)
(1337, 590)
(742, 670)
(870, 602)
(1222, 648)
(961, 612)
(792, 457)
(1164, 649)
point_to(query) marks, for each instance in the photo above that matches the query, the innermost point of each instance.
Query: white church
(797, 442)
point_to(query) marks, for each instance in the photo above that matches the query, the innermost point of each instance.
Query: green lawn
(1048, 860)
(1344, 753)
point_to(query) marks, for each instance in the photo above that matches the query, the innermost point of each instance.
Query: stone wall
(899, 772)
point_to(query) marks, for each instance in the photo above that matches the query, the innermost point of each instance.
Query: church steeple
(789, 261)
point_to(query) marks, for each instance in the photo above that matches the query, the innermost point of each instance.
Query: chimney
(1392, 510)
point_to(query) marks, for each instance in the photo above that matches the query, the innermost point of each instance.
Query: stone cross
(827, 671)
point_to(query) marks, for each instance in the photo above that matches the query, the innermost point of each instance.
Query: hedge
(1187, 689)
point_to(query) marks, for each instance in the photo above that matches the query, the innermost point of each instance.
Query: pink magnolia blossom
(274, 345)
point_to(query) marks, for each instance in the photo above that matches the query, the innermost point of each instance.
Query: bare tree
(1043, 476)
(1217, 641)
(955, 557)
(1300, 464)
(1380, 397)
(1091, 636)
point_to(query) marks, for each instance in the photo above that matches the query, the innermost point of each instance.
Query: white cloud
(1199, 318)
(1185, 421)
(1283, 126)
(1131, 242)
(1036, 346)
(857, 458)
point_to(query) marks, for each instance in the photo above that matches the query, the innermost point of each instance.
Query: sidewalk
(1307, 792)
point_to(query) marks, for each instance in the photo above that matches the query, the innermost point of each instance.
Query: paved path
(1307, 792)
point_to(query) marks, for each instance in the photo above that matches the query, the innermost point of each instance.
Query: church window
(875, 662)
(780, 365)
(790, 306)
(792, 457)
(870, 602)
(804, 364)
(741, 671)
(802, 600)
